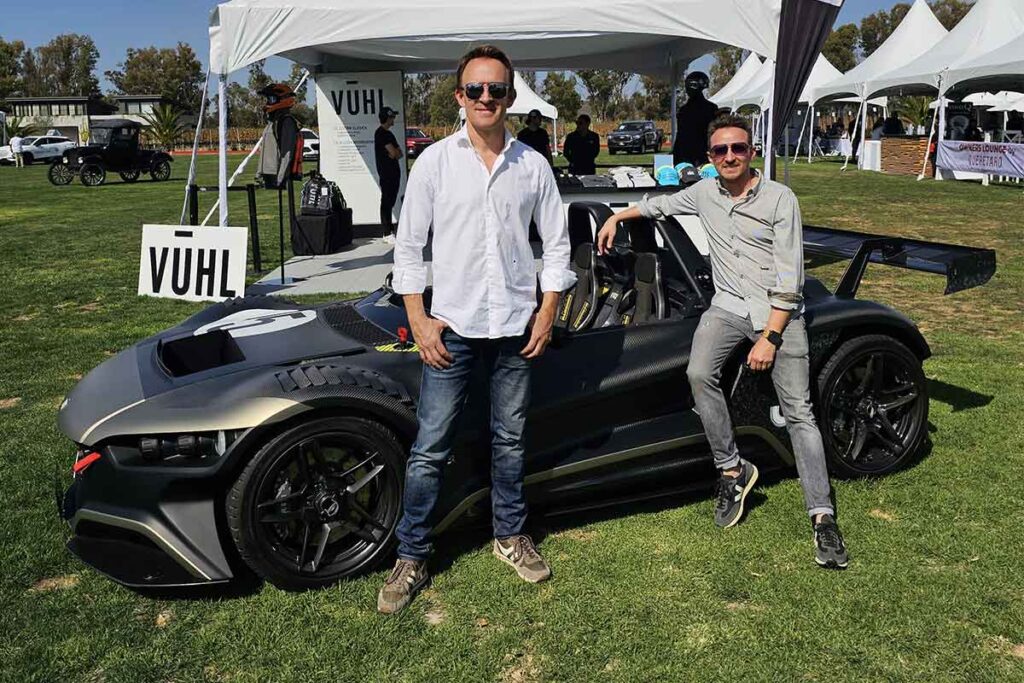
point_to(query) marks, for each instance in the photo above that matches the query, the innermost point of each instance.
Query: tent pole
(675, 103)
(810, 136)
(927, 149)
(799, 138)
(768, 151)
(863, 133)
(1006, 121)
(195, 149)
(941, 135)
(222, 173)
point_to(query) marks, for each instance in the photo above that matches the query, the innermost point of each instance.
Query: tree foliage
(419, 90)
(727, 61)
(10, 68)
(14, 125)
(950, 12)
(877, 27)
(531, 79)
(605, 88)
(443, 108)
(173, 73)
(65, 66)
(560, 90)
(840, 47)
(165, 125)
(654, 101)
(914, 110)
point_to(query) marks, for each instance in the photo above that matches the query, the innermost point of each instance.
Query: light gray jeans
(717, 335)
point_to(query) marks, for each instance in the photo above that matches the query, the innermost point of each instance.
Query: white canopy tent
(1003, 67)
(995, 101)
(748, 69)
(657, 37)
(758, 91)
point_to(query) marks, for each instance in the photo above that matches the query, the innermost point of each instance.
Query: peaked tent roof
(748, 69)
(1003, 67)
(526, 100)
(989, 23)
(758, 90)
(918, 32)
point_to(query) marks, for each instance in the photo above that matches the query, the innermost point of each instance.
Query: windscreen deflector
(964, 267)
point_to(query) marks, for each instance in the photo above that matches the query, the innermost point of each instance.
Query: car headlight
(64, 160)
(81, 161)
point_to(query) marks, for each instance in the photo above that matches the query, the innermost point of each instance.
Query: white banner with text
(993, 158)
(192, 263)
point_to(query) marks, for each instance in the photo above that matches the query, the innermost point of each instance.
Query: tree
(16, 126)
(64, 66)
(165, 125)
(950, 12)
(531, 79)
(727, 61)
(294, 76)
(876, 28)
(604, 88)
(560, 90)
(10, 68)
(419, 90)
(245, 109)
(173, 73)
(913, 110)
(655, 102)
(444, 109)
(840, 47)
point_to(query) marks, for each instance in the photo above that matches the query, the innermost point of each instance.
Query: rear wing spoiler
(964, 267)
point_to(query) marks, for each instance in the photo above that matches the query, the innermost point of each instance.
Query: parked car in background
(416, 141)
(114, 147)
(310, 145)
(635, 136)
(38, 148)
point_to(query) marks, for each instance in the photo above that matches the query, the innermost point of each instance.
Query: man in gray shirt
(755, 237)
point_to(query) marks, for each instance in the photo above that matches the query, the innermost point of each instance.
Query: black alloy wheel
(873, 406)
(161, 170)
(319, 503)
(130, 176)
(60, 174)
(92, 175)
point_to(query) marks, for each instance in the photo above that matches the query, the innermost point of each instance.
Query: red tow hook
(85, 461)
(403, 337)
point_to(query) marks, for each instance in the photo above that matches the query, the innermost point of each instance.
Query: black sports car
(273, 435)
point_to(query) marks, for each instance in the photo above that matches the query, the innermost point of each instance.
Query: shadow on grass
(957, 398)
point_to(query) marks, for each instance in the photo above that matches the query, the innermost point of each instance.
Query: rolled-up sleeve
(410, 273)
(555, 275)
(661, 206)
(788, 254)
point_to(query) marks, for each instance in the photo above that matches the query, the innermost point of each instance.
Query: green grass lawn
(935, 590)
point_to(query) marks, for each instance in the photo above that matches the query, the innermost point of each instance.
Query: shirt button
(735, 252)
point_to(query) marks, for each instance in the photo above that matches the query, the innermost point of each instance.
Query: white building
(70, 115)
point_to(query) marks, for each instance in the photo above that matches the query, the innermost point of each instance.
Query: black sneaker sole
(831, 564)
(743, 498)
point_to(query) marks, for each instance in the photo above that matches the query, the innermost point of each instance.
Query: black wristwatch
(773, 337)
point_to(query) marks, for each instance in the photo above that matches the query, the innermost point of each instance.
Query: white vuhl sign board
(347, 106)
(192, 263)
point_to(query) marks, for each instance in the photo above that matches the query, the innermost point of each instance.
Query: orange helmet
(279, 96)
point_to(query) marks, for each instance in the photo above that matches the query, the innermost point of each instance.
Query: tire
(130, 176)
(285, 546)
(92, 175)
(160, 171)
(60, 174)
(872, 406)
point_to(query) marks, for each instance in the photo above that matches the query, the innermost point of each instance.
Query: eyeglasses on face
(475, 91)
(740, 149)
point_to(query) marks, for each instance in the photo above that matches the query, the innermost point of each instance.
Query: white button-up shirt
(483, 267)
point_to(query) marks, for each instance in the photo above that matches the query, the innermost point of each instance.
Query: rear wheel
(130, 176)
(60, 174)
(161, 170)
(319, 503)
(92, 175)
(873, 406)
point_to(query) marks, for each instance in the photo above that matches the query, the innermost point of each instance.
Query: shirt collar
(462, 137)
(750, 193)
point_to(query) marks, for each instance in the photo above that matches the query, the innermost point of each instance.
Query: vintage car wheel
(92, 175)
(130, 176)
(161, 170)
(873, 406)
(319, 502)
(60, 174)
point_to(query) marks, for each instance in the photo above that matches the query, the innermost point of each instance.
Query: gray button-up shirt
(756, 244)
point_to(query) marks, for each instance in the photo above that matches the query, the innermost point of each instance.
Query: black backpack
(321, 197)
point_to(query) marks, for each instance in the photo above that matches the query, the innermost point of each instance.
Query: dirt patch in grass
(25, 317)
(882, 515)
(54, 583)
(7, 403)
(577, 534)
(163, 618)
(524, 668)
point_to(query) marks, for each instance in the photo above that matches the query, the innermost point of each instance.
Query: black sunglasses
(740, 149)
(475, 91)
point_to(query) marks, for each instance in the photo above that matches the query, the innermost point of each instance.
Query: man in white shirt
(19, 160)
(477, 190)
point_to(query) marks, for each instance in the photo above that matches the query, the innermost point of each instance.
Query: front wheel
(60, 174)
(92, 175)
(873, 406)
(319, 503)
(161, 170)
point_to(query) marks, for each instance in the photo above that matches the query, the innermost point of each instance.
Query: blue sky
(116, 25)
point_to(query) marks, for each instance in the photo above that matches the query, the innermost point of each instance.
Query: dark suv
(635, 136)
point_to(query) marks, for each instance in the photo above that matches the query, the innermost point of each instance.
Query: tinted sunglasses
(475, 91)
(740, 149)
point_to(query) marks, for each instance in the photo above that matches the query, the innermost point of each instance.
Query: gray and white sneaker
(406, 579)
(520, 552)
(730, 494)
(829, 549)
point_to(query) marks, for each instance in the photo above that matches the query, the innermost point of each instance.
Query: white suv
(38, 148)
(310, 145)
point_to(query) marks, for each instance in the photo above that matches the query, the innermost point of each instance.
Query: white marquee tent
(657, 37)
(748, 69)
(758, 91)
(1003, 67)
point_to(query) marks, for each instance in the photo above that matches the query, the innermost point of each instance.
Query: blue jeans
(442, 398)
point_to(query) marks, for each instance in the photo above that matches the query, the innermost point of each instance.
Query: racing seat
(579, 303)
(649, 289)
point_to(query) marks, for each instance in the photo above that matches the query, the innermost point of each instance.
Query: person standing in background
(534, 136)
(387, 153)
(19, 160)
(582, 147)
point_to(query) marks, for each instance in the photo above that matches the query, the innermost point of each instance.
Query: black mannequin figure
(692, 121)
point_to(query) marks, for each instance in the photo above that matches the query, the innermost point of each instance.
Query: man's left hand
(761, 356)
(540, 333)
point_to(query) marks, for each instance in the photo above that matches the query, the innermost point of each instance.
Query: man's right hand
(426, 332)
(606, 235)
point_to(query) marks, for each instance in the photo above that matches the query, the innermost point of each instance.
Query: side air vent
(307, 376)
(192, 354)
(347, 320)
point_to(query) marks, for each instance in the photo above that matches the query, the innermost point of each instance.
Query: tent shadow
(956, 397)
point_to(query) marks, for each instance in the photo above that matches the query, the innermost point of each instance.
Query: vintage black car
(113, 147)
(273, 435)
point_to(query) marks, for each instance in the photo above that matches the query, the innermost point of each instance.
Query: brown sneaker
(520, 552)
(406, 579)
